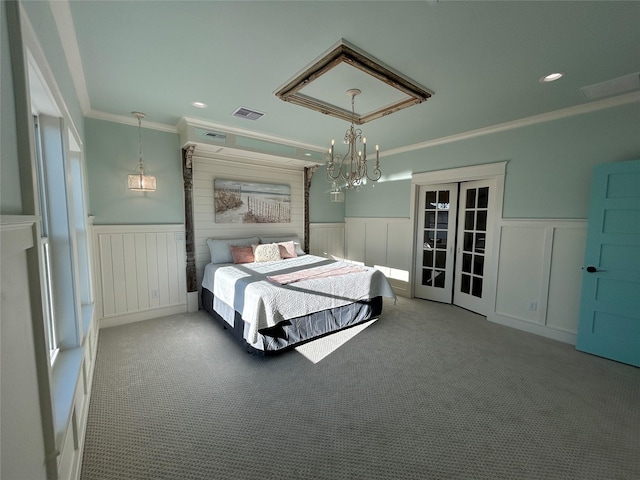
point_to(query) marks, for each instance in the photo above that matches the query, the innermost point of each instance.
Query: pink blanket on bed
(317, 272)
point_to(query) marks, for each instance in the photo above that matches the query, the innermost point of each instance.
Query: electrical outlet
(533, 306)
(154, 293)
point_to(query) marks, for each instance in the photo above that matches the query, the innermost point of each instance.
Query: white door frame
(494, 171)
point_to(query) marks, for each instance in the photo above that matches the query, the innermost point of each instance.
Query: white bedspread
(264, 303)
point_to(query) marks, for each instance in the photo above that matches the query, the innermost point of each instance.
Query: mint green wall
(10, 193)
(548, 171)
(41, 18)
(112, 154)
(321, 210)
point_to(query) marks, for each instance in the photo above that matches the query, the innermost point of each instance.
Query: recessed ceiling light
(199, 104)
(307, 154)
(552, 77)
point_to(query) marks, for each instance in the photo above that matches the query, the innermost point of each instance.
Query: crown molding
(612, 102)
(38, 64)
(67, 33)
(248, 133)
(130, 120)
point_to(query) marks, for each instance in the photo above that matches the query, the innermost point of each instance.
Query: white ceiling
(482, 60)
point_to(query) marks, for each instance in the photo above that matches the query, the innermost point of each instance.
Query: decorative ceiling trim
(346, 53)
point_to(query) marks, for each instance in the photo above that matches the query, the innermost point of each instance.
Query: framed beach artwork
(248, 202)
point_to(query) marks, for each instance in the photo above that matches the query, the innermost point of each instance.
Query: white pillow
(220, 249)
(288, 238)
(269, 252)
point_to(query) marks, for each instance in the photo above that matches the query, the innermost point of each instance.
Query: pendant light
(139, 182)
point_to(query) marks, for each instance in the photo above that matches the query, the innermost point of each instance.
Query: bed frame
(297, 331)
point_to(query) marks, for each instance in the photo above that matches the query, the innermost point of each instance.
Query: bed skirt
(296, 331)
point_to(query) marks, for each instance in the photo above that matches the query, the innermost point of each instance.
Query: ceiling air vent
(216, 135)
(616, 86)
(247, 113)
(212, 135)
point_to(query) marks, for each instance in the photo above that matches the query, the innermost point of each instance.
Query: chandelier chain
(139, 116)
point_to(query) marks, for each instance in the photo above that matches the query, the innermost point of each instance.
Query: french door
(436, 234)
(474, 240)
(454, 235)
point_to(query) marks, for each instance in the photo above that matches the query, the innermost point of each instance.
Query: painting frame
(243, 201)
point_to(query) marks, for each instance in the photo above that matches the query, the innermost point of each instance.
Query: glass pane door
(435, 241)
(473, 228)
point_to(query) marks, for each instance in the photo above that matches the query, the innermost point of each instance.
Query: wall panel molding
(327, 240)
(381, 243)
(140, 272)
(27, 436)
(540, 292)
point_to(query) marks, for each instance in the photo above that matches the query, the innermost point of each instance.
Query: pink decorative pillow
(287, 249)
(242, 254)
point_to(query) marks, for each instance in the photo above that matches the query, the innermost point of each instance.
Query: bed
(272, 296)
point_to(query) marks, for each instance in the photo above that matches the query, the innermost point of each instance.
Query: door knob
(592, 269)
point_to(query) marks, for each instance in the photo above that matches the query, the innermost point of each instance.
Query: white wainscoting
(382, 243)
(327, 240)
(25, 425)
(22, 440)
(540, 276)
(206, 169)
(140, 272)
(71, 434)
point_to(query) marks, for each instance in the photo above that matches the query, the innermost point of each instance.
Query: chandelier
(351, 168)
(139, 182)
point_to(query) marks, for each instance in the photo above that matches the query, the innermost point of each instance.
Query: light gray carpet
(429, 391)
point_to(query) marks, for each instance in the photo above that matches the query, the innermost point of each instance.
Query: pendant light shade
(139, 182)
(142, 183)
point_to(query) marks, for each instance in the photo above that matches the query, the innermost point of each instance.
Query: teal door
(609, 324)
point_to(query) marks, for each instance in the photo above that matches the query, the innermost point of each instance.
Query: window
(65, 254)
(45, 252)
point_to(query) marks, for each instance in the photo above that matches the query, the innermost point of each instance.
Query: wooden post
(308, 175)
(187, 175)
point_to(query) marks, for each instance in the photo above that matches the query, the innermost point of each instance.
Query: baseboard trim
(143, 315)
(536, 329)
